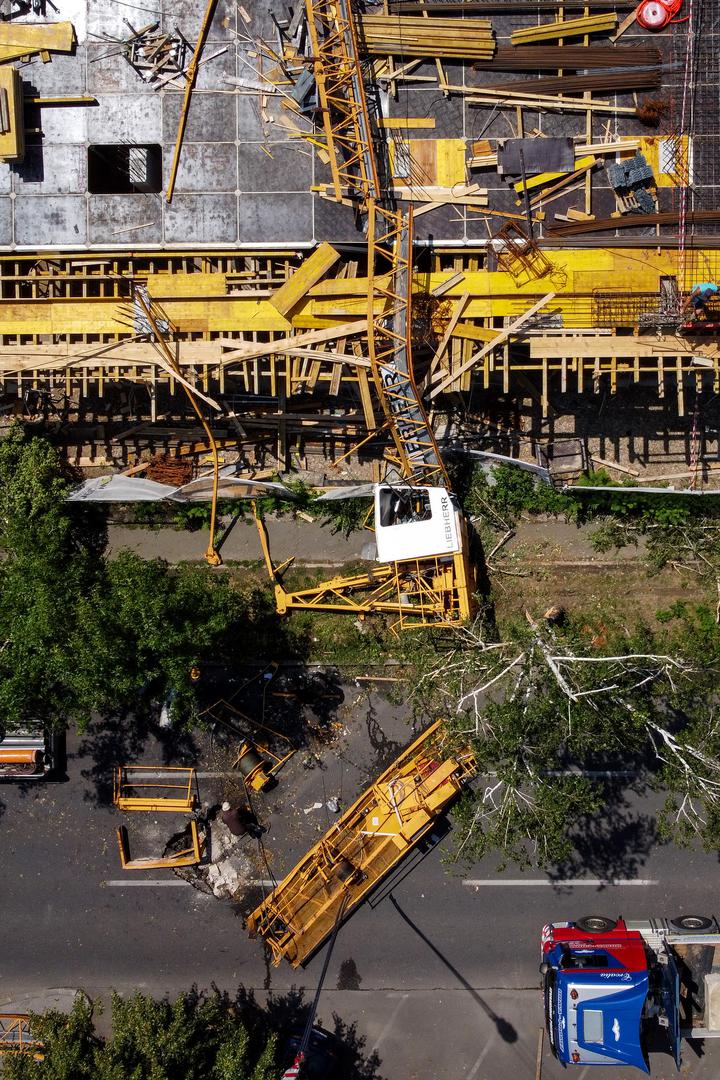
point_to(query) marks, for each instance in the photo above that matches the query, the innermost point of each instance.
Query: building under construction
(297, 236)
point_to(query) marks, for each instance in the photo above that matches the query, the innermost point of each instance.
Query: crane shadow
(504, 1029)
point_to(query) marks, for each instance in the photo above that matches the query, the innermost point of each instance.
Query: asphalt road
(439, 972)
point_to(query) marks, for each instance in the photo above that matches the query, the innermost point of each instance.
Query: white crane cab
(416, 523)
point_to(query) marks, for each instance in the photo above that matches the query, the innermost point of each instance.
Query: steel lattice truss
(389, 345)
(16, 1036)
(342, 99)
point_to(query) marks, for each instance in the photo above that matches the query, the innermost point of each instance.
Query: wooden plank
(624, 25)
(403, 123)
(564, 28)
(312, 270)
(281, 345)
(606, 345)
(366, 398)
(470, 331)
(502, 336)
(454, 319)
(444, 286)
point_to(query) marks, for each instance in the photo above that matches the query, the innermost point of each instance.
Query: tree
(551, 703)
(82, 634)
(195, 1037)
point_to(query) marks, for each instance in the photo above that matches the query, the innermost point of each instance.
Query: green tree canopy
(80, 633)
(195, 1037)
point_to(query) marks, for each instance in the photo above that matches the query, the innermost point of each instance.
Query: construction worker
(699, 297)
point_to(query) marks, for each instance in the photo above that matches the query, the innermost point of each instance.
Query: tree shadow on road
(504, 1029)
(614, 844)
(288, 1012)
(108, 742)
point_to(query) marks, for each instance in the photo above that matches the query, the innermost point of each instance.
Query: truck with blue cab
(614, 987)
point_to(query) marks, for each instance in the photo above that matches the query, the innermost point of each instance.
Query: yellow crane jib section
(343, 104)
(361, 848)
(437, 590)
(155, 788)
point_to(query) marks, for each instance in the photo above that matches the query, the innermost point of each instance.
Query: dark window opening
(403, 506)
(123, 169)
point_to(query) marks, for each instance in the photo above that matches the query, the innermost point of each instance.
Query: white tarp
(116, 488)
(122, 489)
(355, 491)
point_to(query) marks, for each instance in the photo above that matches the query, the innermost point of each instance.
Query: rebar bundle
(618, 81)
(566, 57)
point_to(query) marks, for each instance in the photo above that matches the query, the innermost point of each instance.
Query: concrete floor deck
(244, 181)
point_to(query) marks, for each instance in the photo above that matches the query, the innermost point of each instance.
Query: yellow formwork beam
(192, 306)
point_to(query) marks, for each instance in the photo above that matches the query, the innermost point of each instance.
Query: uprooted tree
(551, 708)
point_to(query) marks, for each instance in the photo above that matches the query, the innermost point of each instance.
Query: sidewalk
(310, 542)
(539, 542)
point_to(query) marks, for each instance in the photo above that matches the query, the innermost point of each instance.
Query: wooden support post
(190, 77)
(501, 337)
(680, 386)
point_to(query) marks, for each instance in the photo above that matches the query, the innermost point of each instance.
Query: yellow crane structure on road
(361, 848)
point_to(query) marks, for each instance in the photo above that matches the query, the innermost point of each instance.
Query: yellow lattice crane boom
(361, 848)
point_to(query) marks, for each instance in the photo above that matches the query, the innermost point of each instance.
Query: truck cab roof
(595, 992)
(597, 1016)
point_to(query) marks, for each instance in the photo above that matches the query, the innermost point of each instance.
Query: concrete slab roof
(243, 180)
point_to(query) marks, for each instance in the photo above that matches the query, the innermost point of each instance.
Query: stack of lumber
(407, 35)
(569, 57)
(565, 28)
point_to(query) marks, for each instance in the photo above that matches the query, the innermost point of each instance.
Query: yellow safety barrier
(145, 787)
(361, 848)
(187, 857)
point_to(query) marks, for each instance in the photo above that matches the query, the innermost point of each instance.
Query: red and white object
(656, 14)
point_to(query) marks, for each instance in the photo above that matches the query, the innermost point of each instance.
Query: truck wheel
(596, 924)
(696, 923)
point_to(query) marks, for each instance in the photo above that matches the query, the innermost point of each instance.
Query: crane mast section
(346, 121)
(390, 345)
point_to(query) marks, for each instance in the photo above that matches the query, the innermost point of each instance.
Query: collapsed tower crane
(424, 576)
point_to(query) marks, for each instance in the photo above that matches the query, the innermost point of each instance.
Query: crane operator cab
(416, 523)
